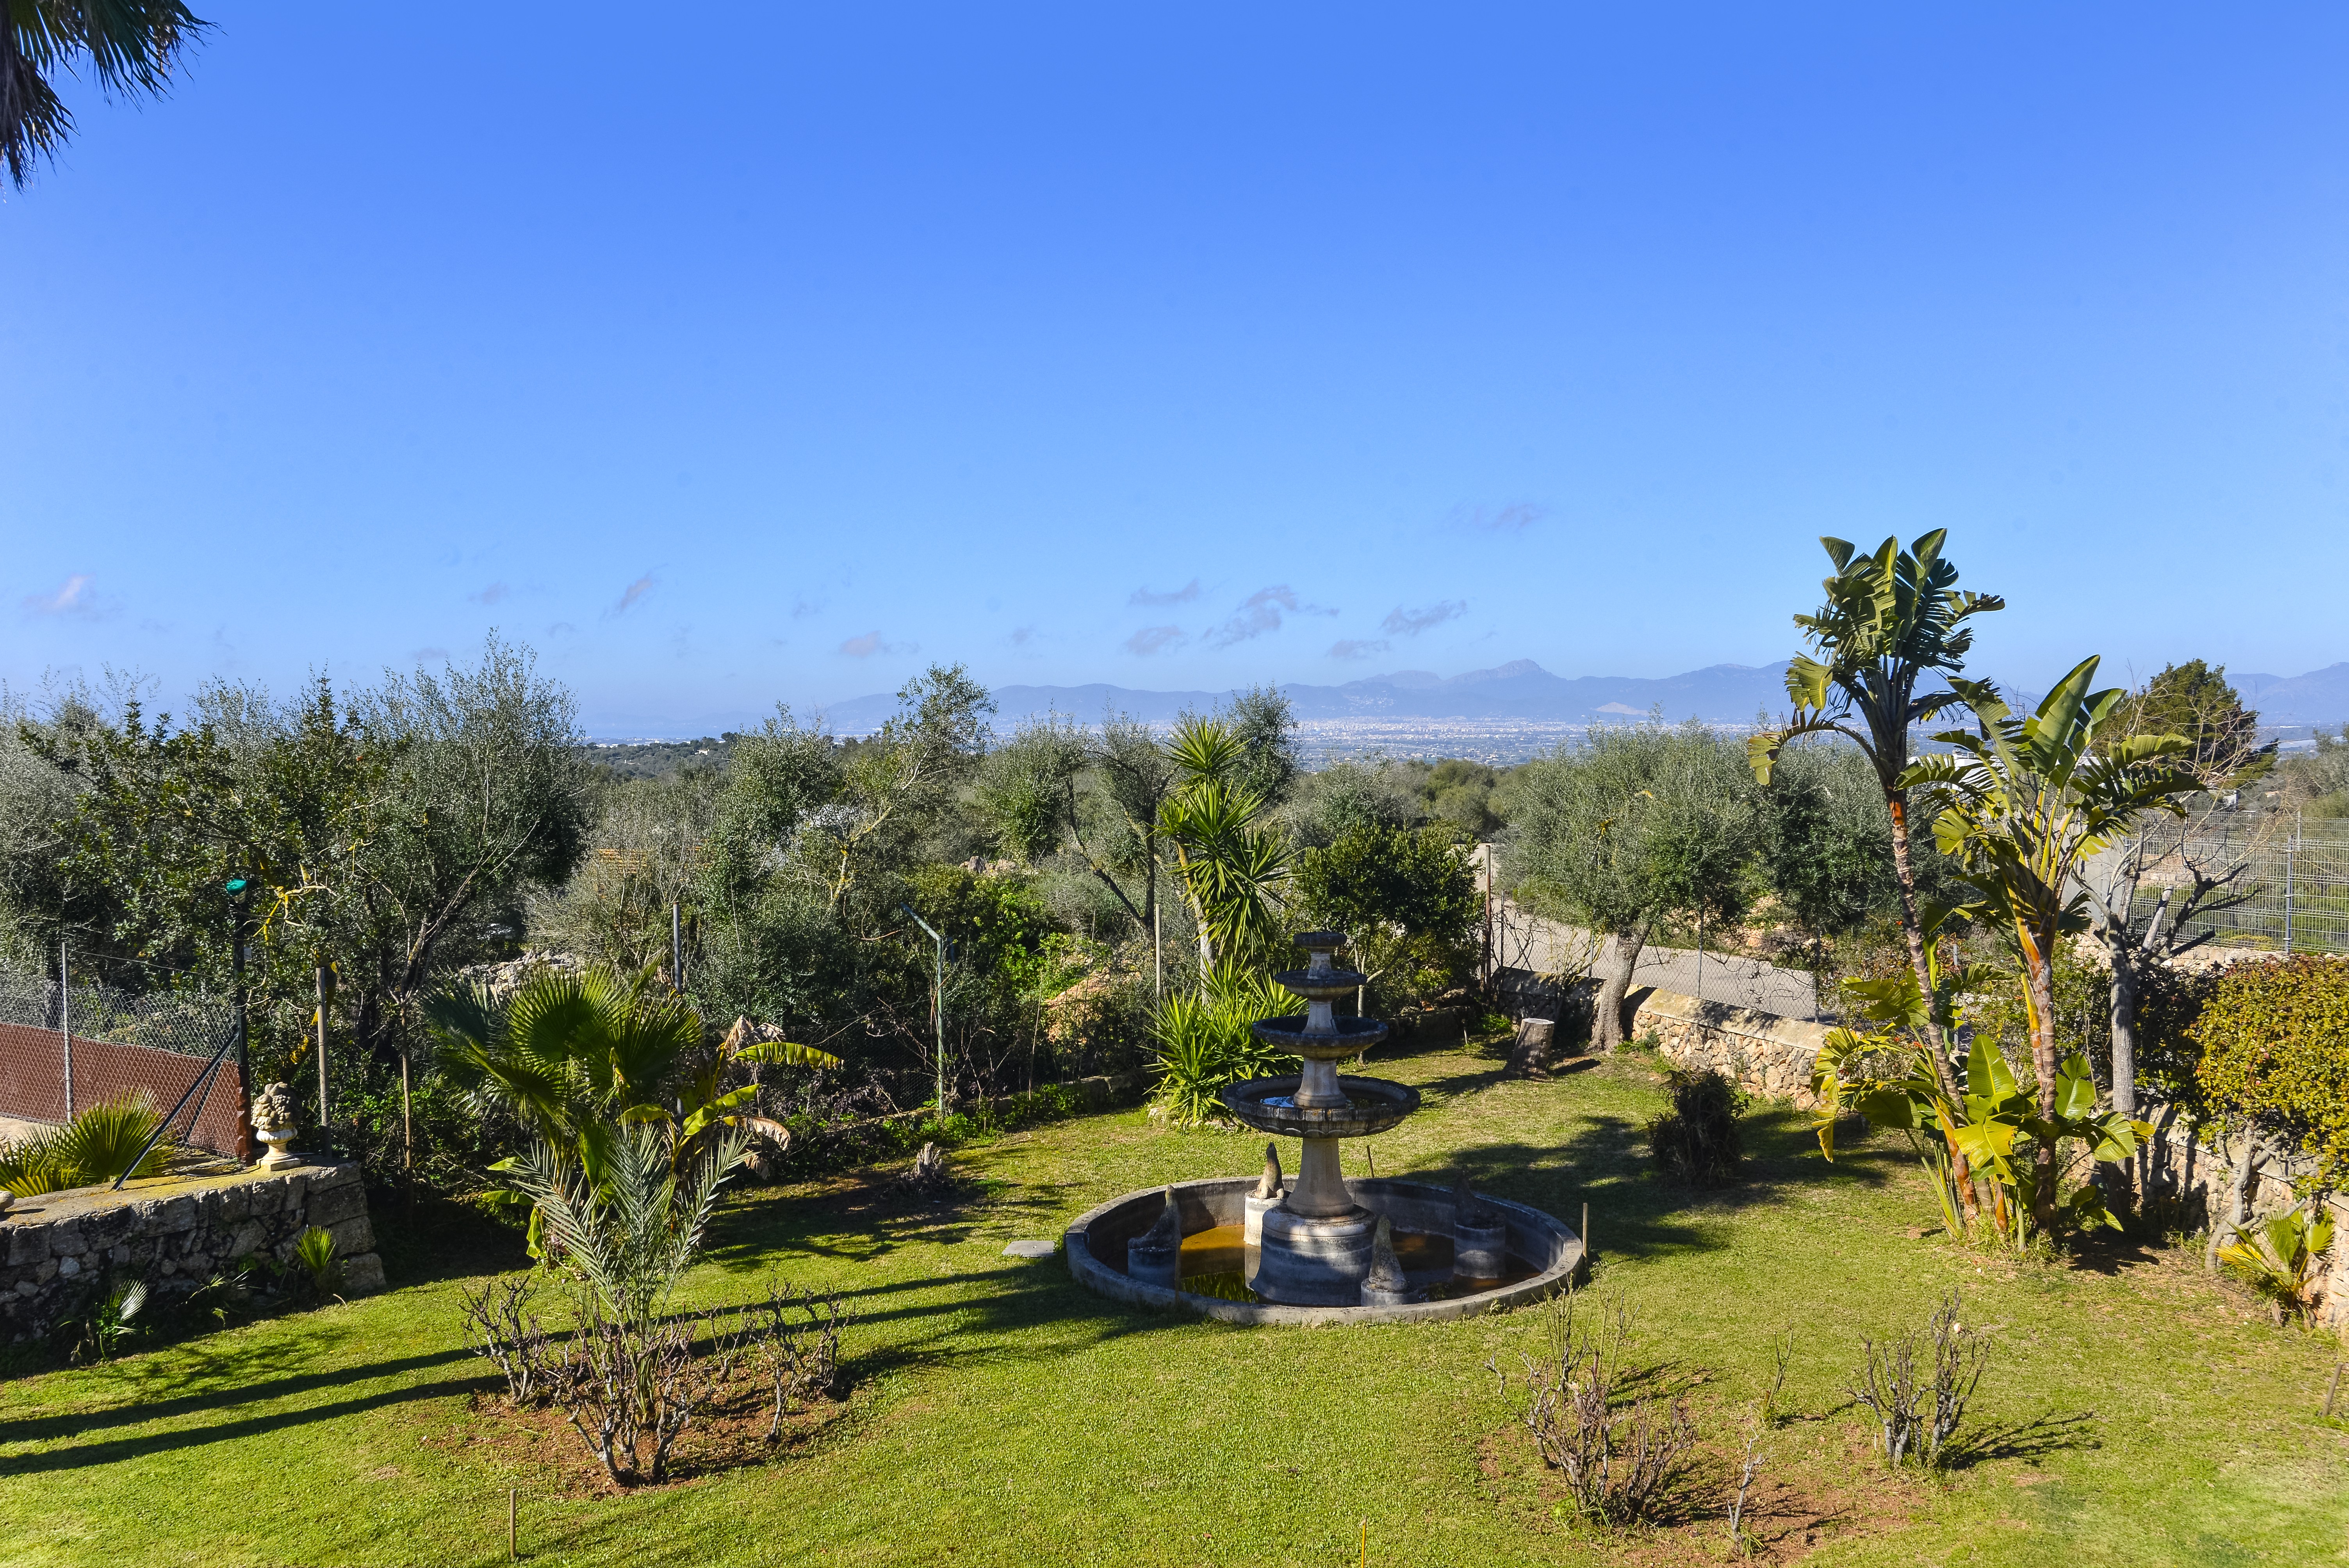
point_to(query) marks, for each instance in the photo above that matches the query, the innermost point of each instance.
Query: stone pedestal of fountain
(1314, 1248)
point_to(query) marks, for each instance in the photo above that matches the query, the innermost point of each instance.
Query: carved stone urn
(272, 1123)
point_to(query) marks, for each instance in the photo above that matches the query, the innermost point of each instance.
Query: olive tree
(1637, 825)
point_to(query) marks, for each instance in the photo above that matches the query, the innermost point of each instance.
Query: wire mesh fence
(68, 1046)
(191, 1023)
(2291, 887)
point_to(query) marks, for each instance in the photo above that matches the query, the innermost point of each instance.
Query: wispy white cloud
(1514, 518)
(74, 596)
(1154, 640)
(1357, 648)
(630, 595)
(1403, 622)
(873, 643)
(1182, 596)
(1261, 613)
(492, 594)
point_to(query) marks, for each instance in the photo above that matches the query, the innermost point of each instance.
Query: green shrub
(1204, 1041)
(1697, 1140)
(320, 1261)
(2274, 1038)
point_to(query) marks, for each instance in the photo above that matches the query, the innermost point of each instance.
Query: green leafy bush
(320, 1261)
(2276, 1047)
(1697, 1140)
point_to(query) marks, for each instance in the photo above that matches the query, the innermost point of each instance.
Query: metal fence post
(65, 1020)
(2289, 850)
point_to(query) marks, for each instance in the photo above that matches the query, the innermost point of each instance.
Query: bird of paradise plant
(1992, 1124)
(2023, 801)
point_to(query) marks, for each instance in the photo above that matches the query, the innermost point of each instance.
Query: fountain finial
(1386, 1269)
(1467, 1209)
(1168, 1230)
(1269, 1187)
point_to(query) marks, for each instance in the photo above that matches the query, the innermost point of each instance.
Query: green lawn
(2134, 1414)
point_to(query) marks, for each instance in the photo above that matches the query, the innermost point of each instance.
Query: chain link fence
(65, 1047)
(2290, 894)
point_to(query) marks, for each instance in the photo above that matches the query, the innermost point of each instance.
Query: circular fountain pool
(1541, 1254)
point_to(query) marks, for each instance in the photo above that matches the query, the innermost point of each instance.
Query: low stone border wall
(1761, 1053)
(175, 1231)
(1767, 1055)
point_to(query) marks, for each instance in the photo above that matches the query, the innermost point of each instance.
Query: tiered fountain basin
(1542, 1254)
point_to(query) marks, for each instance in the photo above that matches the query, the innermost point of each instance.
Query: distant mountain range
(2318, 697)
(1523, 690)
(1723, 694)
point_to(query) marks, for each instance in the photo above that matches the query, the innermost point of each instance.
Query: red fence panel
(32, 1083)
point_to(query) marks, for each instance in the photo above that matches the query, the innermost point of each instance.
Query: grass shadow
(2042, 1435)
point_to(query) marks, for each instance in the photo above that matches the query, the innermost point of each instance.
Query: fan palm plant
(130, 47)
(574, 1058)
(98, 1145)
(2278, 1260)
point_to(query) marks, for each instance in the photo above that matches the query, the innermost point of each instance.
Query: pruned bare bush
(797, 1339)
(629, 1393)
(1918, 1407)
(1751, 1468)
(500, 1328)
(1621, 1452)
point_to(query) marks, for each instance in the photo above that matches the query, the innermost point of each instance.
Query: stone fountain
(1321, 1249)
(1314, 1247)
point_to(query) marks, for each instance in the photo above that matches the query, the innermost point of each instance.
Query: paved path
(1551, 948)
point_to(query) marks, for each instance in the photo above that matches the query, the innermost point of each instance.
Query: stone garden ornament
(272, 1123)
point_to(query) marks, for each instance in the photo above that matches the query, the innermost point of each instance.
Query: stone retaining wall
(175, 1231)
(1761, 1053)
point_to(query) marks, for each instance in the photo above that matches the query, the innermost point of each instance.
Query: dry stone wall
(1760, 1052)
(175, 1234)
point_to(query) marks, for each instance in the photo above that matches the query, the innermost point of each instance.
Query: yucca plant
(2278, 1258)
(1204, 1042)
(98, 1145)
(320, 1260)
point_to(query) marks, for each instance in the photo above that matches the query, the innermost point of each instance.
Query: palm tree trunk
(2039, 994)
(1904, 876)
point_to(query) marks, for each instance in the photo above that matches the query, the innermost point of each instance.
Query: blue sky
(751, 353)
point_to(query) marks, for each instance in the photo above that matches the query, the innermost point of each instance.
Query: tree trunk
(1616, 961)
(2239, 1200)
(1904, 876)
(2039, 981)
(2119, 1181)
